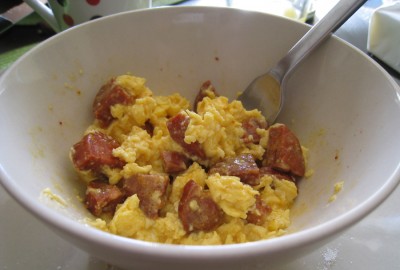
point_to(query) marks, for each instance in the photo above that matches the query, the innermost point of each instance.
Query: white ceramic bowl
(342, 105)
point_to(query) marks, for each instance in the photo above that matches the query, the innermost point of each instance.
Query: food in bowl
(160, 171)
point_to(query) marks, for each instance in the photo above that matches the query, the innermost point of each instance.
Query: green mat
(6, 59)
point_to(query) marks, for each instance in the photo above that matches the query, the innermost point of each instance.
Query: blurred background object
(23, 35)
(384, 35)
(301, 10)
(29, 30)
(32, 29)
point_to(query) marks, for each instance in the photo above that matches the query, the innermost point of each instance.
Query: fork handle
(339, 14)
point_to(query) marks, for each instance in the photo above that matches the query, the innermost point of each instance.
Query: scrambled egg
(217, 126)
(336, 189)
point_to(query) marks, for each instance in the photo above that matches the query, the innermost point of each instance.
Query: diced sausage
(177, 126)
(148, 127)
(205, 88)
(278, 174)
(95, 151)
(197, 210)
(250, 127)
(242, 166)
(151, 190)
(102, 197)
(109, 95)
(174, 162)
(259, 213)
(283, 151)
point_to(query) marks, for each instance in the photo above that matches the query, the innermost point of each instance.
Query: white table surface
(374, 243)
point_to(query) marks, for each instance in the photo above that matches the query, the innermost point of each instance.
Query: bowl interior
(343, 107)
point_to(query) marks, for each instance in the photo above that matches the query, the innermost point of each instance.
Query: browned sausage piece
(284, 151)
(102, 197)
(205, 87)
(250, 126)
(151, 190)
(148, 127)
(174, 162)
(278, 174)
(94, 151)
(197, 210)
(259, 213)
(242, 166)
(177, 126)
(109, 95)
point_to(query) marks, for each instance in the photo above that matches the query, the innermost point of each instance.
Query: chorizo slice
(250, 127)
(174, 162)
(284, 151)
(94, 151)
(242, 166)
(177, 126)
(149, 128)
(278, 174)
(109, 95)
(258, 214)
(206, 90)
(151, 190)
(197, 210)
(102, 197)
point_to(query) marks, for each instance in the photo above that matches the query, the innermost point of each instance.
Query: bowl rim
(284, 242)
(273, 245)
